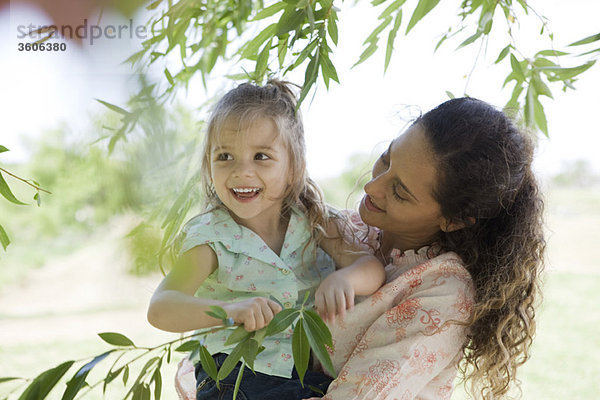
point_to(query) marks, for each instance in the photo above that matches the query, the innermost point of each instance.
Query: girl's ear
(450, 226)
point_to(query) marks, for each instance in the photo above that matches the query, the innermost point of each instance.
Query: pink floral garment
(395, 344)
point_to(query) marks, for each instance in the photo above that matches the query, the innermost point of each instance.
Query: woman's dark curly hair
(486, 183)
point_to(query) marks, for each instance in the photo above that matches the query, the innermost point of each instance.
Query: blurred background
(84, 261)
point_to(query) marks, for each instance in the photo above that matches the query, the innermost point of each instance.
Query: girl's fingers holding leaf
(274, 306)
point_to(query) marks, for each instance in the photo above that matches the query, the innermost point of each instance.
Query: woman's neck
(389, 241)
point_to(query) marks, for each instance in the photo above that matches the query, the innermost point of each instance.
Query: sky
(41, 91)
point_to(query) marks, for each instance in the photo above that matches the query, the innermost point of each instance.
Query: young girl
(258, 242)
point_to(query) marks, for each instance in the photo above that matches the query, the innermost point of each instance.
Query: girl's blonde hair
(276, 100)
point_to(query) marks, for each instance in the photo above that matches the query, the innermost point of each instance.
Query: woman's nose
(376, 187)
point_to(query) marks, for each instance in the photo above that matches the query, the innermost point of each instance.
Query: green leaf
(239, 334)
(391, 8)
(528, 109)
(45, 382)
(230, 362)
(300, 351)
(513, 103)
(4, 239)
(114, 107)
(563, 74)
(589, 52)
(332, 28)
(516, 67)
(282, 321)
(551, 53)
(291, 20)
(470, 39)
(9, 378)
(391, 39)
(269, 11)
(374, 36)
(251, 48)
(77, 382)
(116, 339)
(136, 385)
(439, 43)
(3, 149)
(503, 54)
(217, 312)
(450, 94)
(169, 76)
(327, 68)
(589, 39)
(318, 336)
(423, 8)
(153, 5)
(249, 351)
(188, 346)
(540, 87)
(126, 375)
(262, 61)
(540, 115)
(37, 199)
(5, 191)
(366, 54)
(310, 77)
(157, 378)
(208, 363)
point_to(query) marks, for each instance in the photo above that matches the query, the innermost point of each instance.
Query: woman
(454, 211)
(458, 221)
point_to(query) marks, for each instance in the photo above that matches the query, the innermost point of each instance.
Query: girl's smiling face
(399, 198)
(250, 170)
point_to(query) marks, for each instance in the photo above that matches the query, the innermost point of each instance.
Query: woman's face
(399, 199)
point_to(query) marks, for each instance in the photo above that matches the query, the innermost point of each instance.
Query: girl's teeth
(245, 190)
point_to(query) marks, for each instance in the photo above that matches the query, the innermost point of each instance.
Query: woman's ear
(451, 226)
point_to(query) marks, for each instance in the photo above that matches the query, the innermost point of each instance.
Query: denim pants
(259, 386)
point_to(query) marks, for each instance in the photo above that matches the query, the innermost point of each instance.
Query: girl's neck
(272, 232)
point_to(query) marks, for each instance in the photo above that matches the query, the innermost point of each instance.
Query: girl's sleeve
(409, 346)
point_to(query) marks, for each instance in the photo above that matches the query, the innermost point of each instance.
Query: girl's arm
(359, 273)
(174, 307)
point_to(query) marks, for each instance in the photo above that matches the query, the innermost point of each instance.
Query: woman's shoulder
(444, 273)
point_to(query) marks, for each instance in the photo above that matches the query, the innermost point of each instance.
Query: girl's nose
(243, 169)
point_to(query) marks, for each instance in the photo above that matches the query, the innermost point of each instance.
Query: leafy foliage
(309, 332)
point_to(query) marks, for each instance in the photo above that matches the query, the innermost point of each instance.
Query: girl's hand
(334, 296)
(254, 313)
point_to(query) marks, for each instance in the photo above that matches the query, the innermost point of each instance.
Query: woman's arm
(359, 273)
(174, 307)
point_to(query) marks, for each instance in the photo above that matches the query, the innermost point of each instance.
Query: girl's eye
(261, 157)
(224, 157)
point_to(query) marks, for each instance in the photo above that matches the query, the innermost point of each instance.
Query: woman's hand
(334, 296)
(254, 313)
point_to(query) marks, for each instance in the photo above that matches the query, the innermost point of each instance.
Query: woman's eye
(396, 195)
(383, 158)
(261, 157)
(224, 157)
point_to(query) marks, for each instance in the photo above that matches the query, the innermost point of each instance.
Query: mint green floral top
(249, 268)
